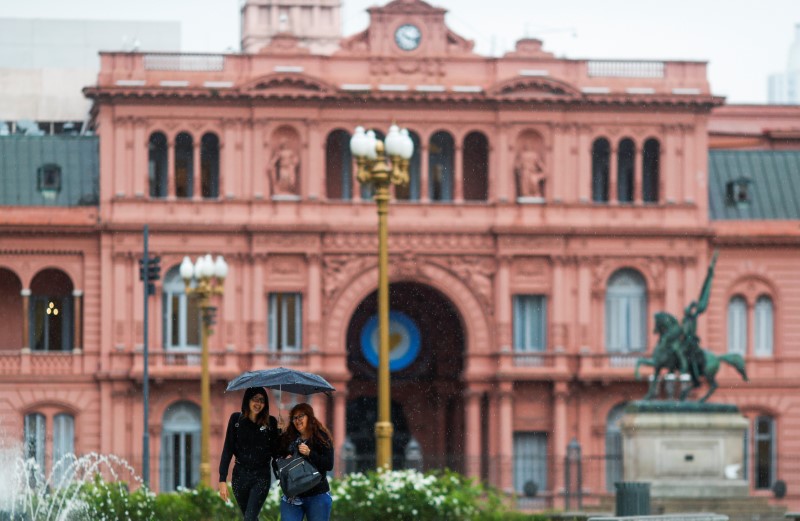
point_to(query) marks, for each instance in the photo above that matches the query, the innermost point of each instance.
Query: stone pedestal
(685, 449)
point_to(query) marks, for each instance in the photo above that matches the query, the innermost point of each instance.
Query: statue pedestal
(530, 200)
(685, 449)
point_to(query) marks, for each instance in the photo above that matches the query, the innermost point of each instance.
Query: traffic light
(150, 272)
(154, 268)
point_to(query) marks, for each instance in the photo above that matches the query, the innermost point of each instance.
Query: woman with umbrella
(252, 437)
(307, 436)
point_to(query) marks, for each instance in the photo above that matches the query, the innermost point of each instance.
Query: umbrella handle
(280, 406)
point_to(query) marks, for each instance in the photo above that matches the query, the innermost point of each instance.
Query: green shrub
(114, 502)
(409, 495)
(403, 495)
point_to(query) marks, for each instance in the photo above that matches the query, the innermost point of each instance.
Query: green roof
(21, 157)
(773, 191)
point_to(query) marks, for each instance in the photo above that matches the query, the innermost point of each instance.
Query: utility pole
(149, 271)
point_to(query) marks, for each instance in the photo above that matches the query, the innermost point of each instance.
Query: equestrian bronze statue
(678, 348)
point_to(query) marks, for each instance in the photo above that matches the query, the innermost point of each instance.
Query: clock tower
(316, 23)
(408, 29)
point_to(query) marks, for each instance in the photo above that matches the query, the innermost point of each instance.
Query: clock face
(408, 37)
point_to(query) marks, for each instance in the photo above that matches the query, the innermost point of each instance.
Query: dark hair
(249, 393)
(319, 433)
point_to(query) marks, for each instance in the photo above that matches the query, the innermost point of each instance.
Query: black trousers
(250, 489)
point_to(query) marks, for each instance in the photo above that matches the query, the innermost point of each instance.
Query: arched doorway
(427, 342)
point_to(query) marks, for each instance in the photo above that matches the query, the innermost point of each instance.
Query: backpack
(296, 475)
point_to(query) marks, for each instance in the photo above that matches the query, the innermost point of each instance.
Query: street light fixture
(210, 277)
(373, 168)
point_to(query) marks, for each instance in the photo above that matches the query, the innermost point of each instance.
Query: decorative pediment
(525, 87)
(289, 84)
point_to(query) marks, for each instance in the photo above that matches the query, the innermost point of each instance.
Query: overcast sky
(743, 40)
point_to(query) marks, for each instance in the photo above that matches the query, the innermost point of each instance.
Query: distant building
(784, 87)
(44, 64)
(316, 23)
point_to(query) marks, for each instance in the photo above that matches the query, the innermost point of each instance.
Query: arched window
(626, 312)
(651, 158)
(614, 446)
(737, 325)
(50, 311)
(209, 166)
(11, 309)
(410, 192)
(180, 446)
(476, 167)
(601, 156)
(440, 167)
(184, 173)
(35, 437)
(181, 314)
(764, 326)
(338, 166)
(157, 164)
(625, 157)
(63, 448)
(764, 452)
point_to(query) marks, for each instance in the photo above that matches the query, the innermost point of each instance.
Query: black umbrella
(283, 379)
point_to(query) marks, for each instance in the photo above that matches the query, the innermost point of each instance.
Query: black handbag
(296, 475)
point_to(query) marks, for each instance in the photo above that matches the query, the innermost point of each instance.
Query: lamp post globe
(204, 279)
(382, 164)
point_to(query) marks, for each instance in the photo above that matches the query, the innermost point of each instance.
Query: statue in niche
(529, 169)
(678, 348)
(283, 169)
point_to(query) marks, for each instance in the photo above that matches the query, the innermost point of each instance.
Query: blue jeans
(314, 508)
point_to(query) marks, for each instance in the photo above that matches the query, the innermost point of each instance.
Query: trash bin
(633, 498)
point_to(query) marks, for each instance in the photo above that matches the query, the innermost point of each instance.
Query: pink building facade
(555, 205)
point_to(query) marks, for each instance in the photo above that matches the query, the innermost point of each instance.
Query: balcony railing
(625, 69)
(40, 363)
(184, 62)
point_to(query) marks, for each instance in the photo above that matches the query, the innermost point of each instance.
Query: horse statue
(678, 348)
(665, 357)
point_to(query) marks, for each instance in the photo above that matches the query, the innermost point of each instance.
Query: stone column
(197, 185)
(458, 174)
(77, 343)
(314, 300)
(474, 442)
(424, 174)
(583, 168)
(506, 436)
(560, 394)
(638, 179)
(311, 186)
(503, 300)
(339, 417)
(140, 160)
(613, 172)
(170, 168)
(26, 330)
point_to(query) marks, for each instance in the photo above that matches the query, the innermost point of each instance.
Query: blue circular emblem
(403, 341)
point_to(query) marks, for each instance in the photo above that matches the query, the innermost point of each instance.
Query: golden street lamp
(210, 277)
(374, 169)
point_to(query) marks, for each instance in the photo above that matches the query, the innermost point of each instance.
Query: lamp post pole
(373, 169)
(210, 278)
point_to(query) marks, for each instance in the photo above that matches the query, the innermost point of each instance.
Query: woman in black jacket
(252, 437)
(307, 436)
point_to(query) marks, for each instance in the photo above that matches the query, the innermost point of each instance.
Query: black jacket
(320, 456)
(252, 445)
